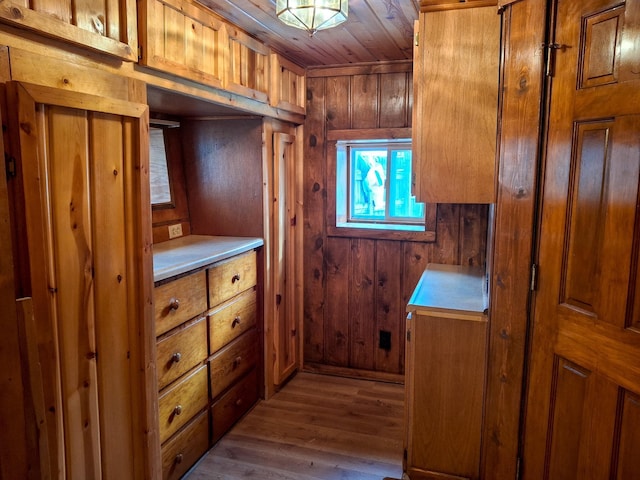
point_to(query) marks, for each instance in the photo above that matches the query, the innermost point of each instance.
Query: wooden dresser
(208, 325)
(445, 373)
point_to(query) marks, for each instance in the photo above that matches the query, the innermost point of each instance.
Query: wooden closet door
(583, 409)
(286, 330)
(84, 162)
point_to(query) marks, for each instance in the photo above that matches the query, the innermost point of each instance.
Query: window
(373, 186)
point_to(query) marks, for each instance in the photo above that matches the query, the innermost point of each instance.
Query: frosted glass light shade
(312, 15)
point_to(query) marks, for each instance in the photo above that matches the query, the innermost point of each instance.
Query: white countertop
(450, 288)
(191, 252)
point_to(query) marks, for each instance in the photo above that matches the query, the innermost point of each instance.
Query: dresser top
(183, 254)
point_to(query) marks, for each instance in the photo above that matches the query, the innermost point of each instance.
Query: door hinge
(139, 52)
(533, 286)
(416, 39)
(10, 165)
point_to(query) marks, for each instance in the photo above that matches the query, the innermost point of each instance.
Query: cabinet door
(284, 247)
(184, 38)
(84, 165)
(108, 27)
(457, 87)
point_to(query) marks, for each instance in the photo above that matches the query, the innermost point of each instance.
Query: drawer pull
(236, 322)
(177, 410)
(174, 304)
(235, 278)
(178, 459)
(176, 357)
(237, 361)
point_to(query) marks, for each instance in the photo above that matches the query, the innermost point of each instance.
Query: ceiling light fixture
(312, 15)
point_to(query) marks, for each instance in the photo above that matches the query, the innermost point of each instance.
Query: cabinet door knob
(178, 458)
(174, 304)
(235, 278)
(236, 322)
(176, 357)
(237, 361)
(177, 410)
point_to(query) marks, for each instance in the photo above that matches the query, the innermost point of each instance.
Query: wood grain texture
(178, 301)
(446, 367)
(231, 277)
(316, 427)
(230, 149)
(514, 213)
(232, 319)
(458, 92)
(376, 30)
(86, 24)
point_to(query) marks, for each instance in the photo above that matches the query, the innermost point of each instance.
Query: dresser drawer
(183, 401)
(232, 320)
(183, 450)
(181, 351)
(232, 277)
(233, 361)
(179, 300)
(233, 404)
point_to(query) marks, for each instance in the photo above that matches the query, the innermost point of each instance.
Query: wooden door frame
(514, 227)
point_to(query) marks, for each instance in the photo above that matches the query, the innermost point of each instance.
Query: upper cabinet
(456, 76)
(104, 26)
(183, 38)
(288, 86)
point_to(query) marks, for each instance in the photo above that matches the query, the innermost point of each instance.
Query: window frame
(370, 229)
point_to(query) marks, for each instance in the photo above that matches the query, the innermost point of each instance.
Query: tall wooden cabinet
(456, 68)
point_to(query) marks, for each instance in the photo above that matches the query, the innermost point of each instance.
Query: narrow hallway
(317, 427)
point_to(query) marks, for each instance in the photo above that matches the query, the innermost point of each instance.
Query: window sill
(379, 231)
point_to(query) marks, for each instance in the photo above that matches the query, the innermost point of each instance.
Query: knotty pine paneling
(356, 287)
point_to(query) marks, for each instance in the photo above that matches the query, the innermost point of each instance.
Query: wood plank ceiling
(376, 30)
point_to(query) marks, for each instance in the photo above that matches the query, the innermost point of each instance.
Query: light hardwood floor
(317, 427)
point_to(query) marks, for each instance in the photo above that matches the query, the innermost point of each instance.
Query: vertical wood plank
(193, 48)
(90, 15)
(336, 322)
(314, 227)
(338, 102)
(60, 9)
(389, 310)
(365, 105)
(362, 304)
(521, 87)
(447, 234)
(473, 234)
(28, 123)
(173, 22)
(68, 171)
(13, 446)
(393, 100)
(111, 285)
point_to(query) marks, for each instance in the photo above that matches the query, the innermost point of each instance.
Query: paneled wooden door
(285, 261)
(85, 161)
(583, 400)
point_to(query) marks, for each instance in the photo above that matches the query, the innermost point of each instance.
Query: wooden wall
(356, 287)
